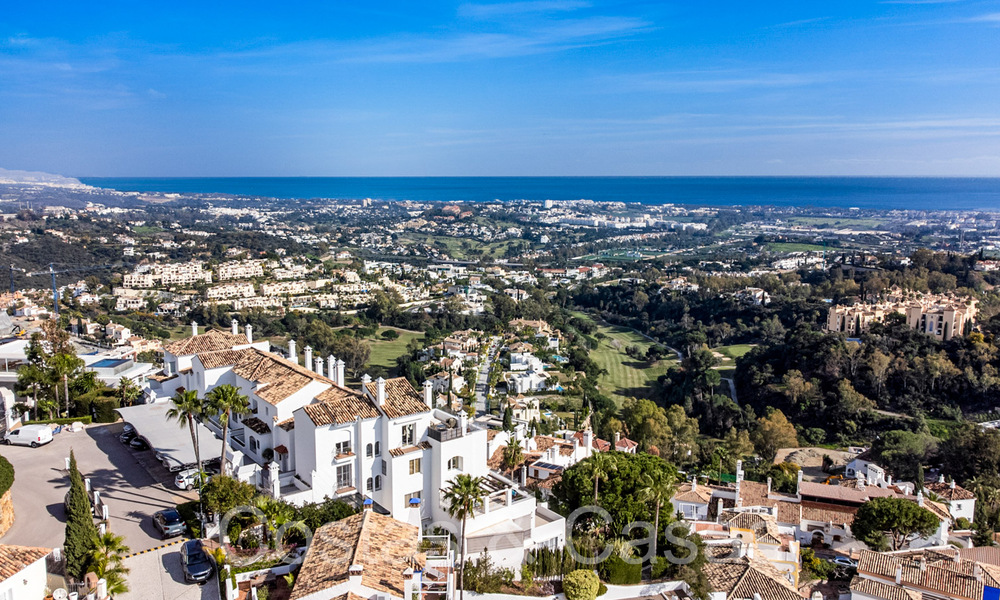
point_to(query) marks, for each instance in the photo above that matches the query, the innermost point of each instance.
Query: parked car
(138, 443)
(169, 523)
(29, 435)
(188, 478)
(128, 428)
(127, 436)
(844, 561)
(195, 562)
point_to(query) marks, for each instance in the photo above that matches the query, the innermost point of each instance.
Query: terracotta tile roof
(701, 495)
(338, 405)
(764, 527)
(400, 398)
(256, 425)
(597, 443)
(544, 442)
(276, 378)
(381, 545)
(287, 424)
(210, 341)
(936, 576)
(948, 493)
(877, 589)
(281, 449)
(626, 444)
(14, 559)
(989, 555)
(940, 511)
(828, 513)
(408, 449)
(742, 578)
(846, 494)
(221, 358)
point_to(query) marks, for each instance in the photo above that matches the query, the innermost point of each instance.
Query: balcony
(443, 433)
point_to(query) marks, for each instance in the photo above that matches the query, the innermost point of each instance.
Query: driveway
(133, 492)
(158, 574)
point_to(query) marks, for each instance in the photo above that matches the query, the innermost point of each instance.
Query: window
(343, 448)
(378, 482)
(368, 450)
(253, 445)
(414, 466)
(414, 495)
(958, 506)
(455, 462)
(378, 448)
(369, 485)
(384, 466)
(409, 434)
(344, 479)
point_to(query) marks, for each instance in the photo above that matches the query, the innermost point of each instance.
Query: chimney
(923, 564)
(318, 363)
(293, 352)
(365, 380)
(102, 589)
(409, 583)
(941, 478)
(524, 474)
(798, 484)
(235, 327)
(340, 373)
(768, 486)
(248, 329)
(920, 498)
(331, 368)
(429, 393)
(588, 440)
(739, 471)
(380, 391)
(618, 438)
(952, 484)
(194, 328)
(899, 574)
(308, 360)
(694, 483)
(355, 573)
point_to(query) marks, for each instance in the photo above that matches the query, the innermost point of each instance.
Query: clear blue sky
(547, 87)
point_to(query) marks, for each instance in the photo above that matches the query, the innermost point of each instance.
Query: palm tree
(187, 409)
(223, 402)
(463, 494)
(128, 391)
(30, 379)
(659, 490)
(600, 465)
(107, 561)
(63, 366)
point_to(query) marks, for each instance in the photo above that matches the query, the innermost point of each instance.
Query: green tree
(188, 410)
(512, 455)
(128, 391)
(107, 561)
(581, 585)
(63, 367)
(223, 402)
(222, 493)
(657, 489)
(463, 494)
(773, 433)
(80, 529)
(894, 519)
(600, 466)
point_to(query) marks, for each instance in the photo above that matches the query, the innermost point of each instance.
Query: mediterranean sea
(881, 193)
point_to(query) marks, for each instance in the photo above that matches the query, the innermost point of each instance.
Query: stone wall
(6, 512)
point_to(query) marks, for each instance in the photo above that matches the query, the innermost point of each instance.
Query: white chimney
(952, 485)
(102, 589)
(248, 329)
(331, 368)
(429, 393)
(941, 478)
(365, 380)
(235, 327)
(308, 361)
(355, 573)
(920, 498)
(409, 583)
(318, 363)
(194, 328)
(380, 391)
(293, 352)
(340, 373)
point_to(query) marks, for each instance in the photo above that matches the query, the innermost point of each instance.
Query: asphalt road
(158, 574)
(482, 384)
(133, 492)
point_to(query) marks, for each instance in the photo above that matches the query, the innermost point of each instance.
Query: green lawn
(625, 376)
(735, 351)
(384, 352)
(793, 247)
(837, 222)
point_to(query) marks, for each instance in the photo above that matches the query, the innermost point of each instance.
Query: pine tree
(80, 529)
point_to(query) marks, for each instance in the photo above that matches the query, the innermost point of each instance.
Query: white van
(29, 435)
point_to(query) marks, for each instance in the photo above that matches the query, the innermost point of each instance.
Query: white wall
(29, 583)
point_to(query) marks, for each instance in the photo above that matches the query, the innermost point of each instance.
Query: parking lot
(133, 484)
(158, 574)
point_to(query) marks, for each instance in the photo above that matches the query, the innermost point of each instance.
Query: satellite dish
(60, 594)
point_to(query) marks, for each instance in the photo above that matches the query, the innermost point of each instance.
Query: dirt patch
(811, 460)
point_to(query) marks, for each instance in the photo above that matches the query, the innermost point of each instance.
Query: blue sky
(546, 87)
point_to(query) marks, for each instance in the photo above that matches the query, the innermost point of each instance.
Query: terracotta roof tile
(395, 452)
(221, 358)
(948, 493)
(742, 578)
(381, 545)
(256, 425)
(400, 398)
(937, 576)
(338, 405)
(877, 589)
(277, 378)
(210, 341)
(14, 559)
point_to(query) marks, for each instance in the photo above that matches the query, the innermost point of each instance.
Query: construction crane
(12, 269)
(53, 272)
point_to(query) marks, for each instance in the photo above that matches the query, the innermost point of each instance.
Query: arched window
(368, 450)
(368, 485)
(378, 449)
(378, 482)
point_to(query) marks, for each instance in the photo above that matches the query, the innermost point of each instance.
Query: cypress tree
(80, 529)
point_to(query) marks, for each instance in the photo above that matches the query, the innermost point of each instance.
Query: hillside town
(370, 399)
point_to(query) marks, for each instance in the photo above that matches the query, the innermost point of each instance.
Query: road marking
(161, 547)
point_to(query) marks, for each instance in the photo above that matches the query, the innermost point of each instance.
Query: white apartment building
(138, 280)
(186, 273)
(117, 334)
(245, 269)
(230, 290)
(308, 437)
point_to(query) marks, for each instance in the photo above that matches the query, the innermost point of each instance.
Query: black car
(127, 436)
(138, 443)
(169, 523)
(195, 562)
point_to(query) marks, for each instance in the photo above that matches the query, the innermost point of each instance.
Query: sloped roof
(381, 545)
(700, 495)
(742, 578)
(221, 358)
(210, 341)
(400, 398)
(947, 493)
(935, 575)
(14, 559)
(338, 405)
(277, 378)
(884, 591)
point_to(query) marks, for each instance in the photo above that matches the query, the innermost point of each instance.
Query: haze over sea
(887, 193)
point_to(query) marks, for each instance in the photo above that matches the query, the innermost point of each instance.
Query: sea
(880, 193)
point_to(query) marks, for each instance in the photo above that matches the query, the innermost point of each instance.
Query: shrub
(64, 421)
(616, 571)
(581, 585)
(6, 475)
